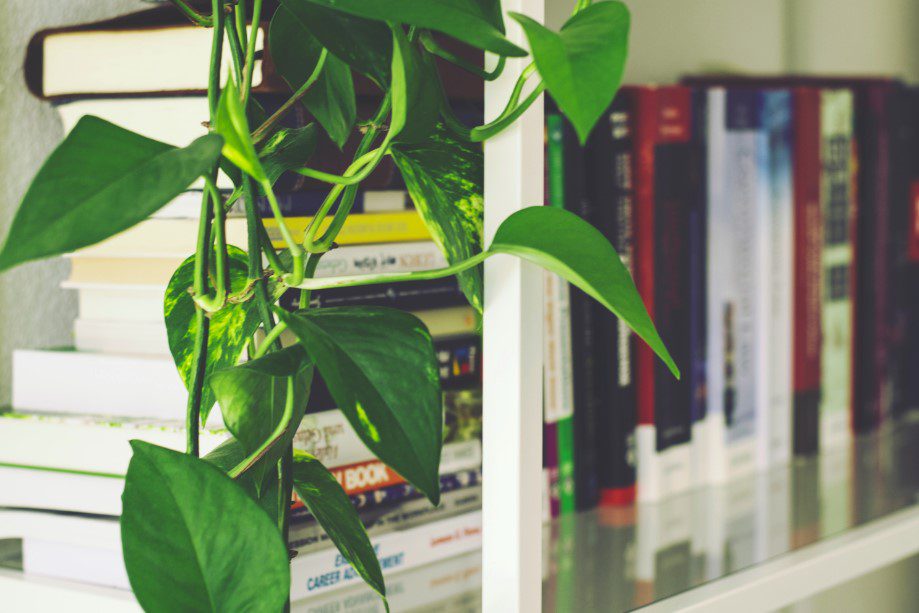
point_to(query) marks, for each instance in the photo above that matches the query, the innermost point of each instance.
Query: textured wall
(34, 312)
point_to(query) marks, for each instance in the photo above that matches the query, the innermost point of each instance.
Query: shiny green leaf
(364, 44)
(193, 541)
(470, 21)
(101, 180)
(327, 501)
(252, 397)
(288, 148)
(379, 366)
(233, 126)
(423, 92)
(229, 454)
(230, 327)
(330, 99)
(444, 178)
(565, 244)
(582, 64)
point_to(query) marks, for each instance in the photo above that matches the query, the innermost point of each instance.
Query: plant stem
(285, 491)
(250, 49)
(213, 81)
(254, 245)
(264, 130)
(429, 43)
(236, 52)
(194, 16)
(279, 431)
(296, 274)
(272, 335)
(196, 386)
(312, 262)
(398, 277)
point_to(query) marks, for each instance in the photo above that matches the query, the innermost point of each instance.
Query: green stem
(279, 431)
(236, 52)
(375, 157)
(296, 274)
(239, 14)
(312, 262)
(277, 266)
(271, 337)
(422, 275)
(197, 18)
(485, 132)
(250, 49)
(264, 130)
(196, 385)
(213, 81)
(429, 43)
(254, 272)
(285, 491)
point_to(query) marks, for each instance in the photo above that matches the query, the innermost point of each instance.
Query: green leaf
(565, 244)
(444, 176)
(101, 180)
(470, 21)
(296, 52)
(582, 65)
(365, 45)
(228, 455)
(288, 148)
(327, 501)
(233, 126)
(252, 397)
(230, 327)
(423, 91)
(193, 541)
(380, 368)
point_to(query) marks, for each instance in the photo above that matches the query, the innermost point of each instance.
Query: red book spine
(808, 241)
(663, 115)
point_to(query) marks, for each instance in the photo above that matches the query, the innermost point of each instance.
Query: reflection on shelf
(615, 559)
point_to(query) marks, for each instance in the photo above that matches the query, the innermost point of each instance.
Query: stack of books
(770, 227)
(64, 447)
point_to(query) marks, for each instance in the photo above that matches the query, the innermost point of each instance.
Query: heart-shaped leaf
(380, 368)
(327, 501)
(364, 44)
(288, 148)
(565, 244)
(471, 21)
(444, 177)
(230, 327)
(233, 126)
(193, 541)
(582, 64)
(101, 180)
(252, 398)
(296, 52)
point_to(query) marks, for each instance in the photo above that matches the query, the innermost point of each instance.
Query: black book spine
(585, 334)
(609, 166)
(907, 383)
(408, 296)
(698, 259)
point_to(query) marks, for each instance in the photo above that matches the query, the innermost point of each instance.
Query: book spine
(323, 571)
(562, 413)
(778, 123)
(358, 229)
(187, 205)
(907, 384)
(407, 296)
(584, 337)
(662, 199)
(611, 166)
(837, 204)
(697, 365)
(808, 233)
(872, 262)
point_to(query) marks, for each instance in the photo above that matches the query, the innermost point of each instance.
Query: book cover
(777, 122)
(561, 405)
(837, 203)
(808, 245)
(610, 186)
(663, 150)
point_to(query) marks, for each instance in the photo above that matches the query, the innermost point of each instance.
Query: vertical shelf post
(512, 355)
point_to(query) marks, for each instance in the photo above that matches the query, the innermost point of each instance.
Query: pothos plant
(209, 534)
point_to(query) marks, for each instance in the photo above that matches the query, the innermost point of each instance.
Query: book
(907, 384)
(89, 271)
(610, 187)
(664, 194)
(577, 446)
(187, 205)
(175, 238)
(836, 132)
(142, 53)
(808, 239)
(405, 295)
(558, 375)
(736, 199)
(779, 254)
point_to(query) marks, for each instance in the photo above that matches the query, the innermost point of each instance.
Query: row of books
(64, 446)
(770, 227)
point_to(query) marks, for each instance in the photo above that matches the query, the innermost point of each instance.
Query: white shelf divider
(512, 355)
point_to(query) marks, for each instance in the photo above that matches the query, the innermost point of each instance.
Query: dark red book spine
(808, 241)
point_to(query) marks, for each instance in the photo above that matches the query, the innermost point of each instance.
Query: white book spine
(324, 571)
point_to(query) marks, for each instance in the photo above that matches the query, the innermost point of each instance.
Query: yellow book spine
(396, 227)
